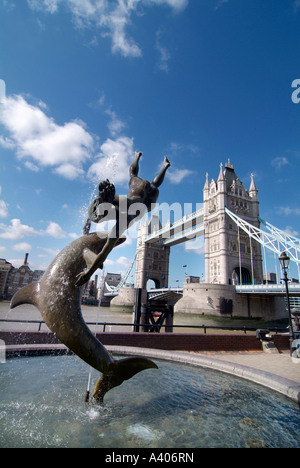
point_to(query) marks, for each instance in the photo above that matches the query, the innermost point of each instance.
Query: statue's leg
(160, 177)
(134, 168)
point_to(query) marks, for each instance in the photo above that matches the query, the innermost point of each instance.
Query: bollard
(137, 310)
(169, 319)
(144, 318)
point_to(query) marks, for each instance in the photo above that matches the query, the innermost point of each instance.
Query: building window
(16, 278)
(26, 279)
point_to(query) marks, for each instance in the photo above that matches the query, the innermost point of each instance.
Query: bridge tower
(152, 261)
(231, 257)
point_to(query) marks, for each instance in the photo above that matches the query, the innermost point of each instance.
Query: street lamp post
(284, 262)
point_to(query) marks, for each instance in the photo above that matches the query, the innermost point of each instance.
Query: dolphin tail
(26, 295)
(122, 370)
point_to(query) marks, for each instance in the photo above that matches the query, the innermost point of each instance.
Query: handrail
(105, 324)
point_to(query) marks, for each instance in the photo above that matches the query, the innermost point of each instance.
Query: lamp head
(284, 260)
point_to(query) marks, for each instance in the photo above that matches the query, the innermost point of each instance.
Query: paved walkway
(276, 371)
(278, 364)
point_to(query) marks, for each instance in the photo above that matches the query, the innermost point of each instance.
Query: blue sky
(88, 82)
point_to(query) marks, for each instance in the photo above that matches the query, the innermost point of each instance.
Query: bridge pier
(223, 300)
(150, 317)
(154, 316)
(125, 299)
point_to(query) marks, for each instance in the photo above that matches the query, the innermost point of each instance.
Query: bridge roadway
(270, 289)
(189, 227)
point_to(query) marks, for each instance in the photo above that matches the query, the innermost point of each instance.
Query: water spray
(87, 393)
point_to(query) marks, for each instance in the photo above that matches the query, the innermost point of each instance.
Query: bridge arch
(153, 283)
(241, 276)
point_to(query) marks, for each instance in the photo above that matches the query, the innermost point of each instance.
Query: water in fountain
(42, 405)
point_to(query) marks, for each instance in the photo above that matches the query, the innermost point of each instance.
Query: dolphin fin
(123, 369)
(26, 295)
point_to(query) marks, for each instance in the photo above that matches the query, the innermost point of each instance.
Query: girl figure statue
(141, 198)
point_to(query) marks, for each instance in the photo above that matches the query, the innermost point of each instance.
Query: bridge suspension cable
(286, 237)
(275, 240)
(115, 289)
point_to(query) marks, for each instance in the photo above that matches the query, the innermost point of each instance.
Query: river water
(119, 315)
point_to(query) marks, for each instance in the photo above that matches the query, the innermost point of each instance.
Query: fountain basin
(178, 405)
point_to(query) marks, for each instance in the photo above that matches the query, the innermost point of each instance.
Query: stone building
(90, 292)
(113, 279)
(6, 269)
(22, 276)
(231, 257)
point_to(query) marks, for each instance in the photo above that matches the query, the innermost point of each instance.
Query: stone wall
(125, 298)
(222, 300)
(167, 341)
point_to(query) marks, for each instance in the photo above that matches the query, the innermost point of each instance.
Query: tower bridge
(230, 222)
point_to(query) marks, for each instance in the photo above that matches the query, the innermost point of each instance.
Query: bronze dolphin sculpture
(59, 302)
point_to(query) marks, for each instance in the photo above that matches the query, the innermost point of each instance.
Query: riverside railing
(152, 326)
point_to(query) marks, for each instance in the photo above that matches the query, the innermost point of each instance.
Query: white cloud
(197, 245)
(16, 230)
(2, 90)
(113, 161)
(290, 230)
(3, 207)
(40, 142)
(116, 125)
(32, 167)
(177, 5)
(49, 5)
(111, 17)
(177, 175)
(54, 230)
(220, 3)
(279, 162)
(288, 211)
(22, 247)
(296, 5)
(17, 262)
(69, 171)
(124, 262)
(164, 53)
(48, 251)
(6, 143)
